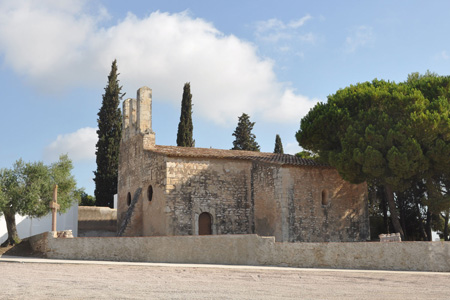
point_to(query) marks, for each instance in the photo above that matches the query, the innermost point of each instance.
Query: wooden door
(204, 224)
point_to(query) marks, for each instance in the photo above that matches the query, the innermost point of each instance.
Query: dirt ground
(147, 281)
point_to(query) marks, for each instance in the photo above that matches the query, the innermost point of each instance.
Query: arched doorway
(204, 224)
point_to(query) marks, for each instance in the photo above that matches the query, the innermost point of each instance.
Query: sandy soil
(77, 281)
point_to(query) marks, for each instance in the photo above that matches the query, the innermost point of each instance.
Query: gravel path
(116, 281)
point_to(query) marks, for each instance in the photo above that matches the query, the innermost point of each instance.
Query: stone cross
(54, 206)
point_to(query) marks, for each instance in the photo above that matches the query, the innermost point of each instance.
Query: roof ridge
(267, 157)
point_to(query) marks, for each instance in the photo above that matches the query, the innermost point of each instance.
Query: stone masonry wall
(241, 197)
(127, 184)
(219, 187)
(153, 181)
(267, 187)
(342, 218)
(141, 169)
(288, 204)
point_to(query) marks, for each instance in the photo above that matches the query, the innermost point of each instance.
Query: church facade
(168, 190)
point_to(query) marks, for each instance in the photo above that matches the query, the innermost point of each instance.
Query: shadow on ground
(22, 249)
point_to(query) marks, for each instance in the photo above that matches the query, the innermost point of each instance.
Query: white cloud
(300, 54)
(79, 145)
(271, 24)
(308, 38)
(58, 45)
(292, 148)
(443, 55)
(300, 22)
(46, 40)
(274, 30)
(290, 107)
(275, 24)
(284, 48)
(361, 36)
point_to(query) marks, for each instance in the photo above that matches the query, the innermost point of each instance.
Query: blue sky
(270, 59)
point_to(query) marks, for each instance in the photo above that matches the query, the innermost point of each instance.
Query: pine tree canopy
(397, 135)
(185, 127)
(109, 134)
(278, 145)
(245, 139)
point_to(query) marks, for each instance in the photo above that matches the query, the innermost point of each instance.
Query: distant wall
(95, 221)
(254, 250)
(27, 226)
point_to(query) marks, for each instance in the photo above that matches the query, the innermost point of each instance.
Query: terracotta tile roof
(280, 159)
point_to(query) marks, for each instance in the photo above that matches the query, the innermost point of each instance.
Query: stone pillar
(126, 114)
(126, 119)
(54, 206)
(144, 110)
(133, 117)
(137, 117)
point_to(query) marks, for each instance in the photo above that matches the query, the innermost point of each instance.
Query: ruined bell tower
(137, 117)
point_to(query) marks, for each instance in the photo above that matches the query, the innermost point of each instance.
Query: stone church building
(168, 190)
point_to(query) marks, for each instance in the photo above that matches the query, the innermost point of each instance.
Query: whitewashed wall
(27, 226)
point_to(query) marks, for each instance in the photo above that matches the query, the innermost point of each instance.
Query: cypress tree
(109, 134)
(245, 139)
(185, 127)
(278, 145)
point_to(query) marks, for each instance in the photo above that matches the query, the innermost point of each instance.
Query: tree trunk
(402, 216)
(385, 210)
(423, 232)
(13, 237)
(393, 210)
(446, 217)
(428, 226)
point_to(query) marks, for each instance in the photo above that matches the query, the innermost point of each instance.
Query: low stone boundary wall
(407, 256)
(253, 250)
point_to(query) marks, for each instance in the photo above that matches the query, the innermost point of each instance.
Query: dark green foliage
(86, 200)
(109, 133)
(278, 145)
(395, 134)
(362, 131)
(27, 189)
(245, 139)
(185, 127)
